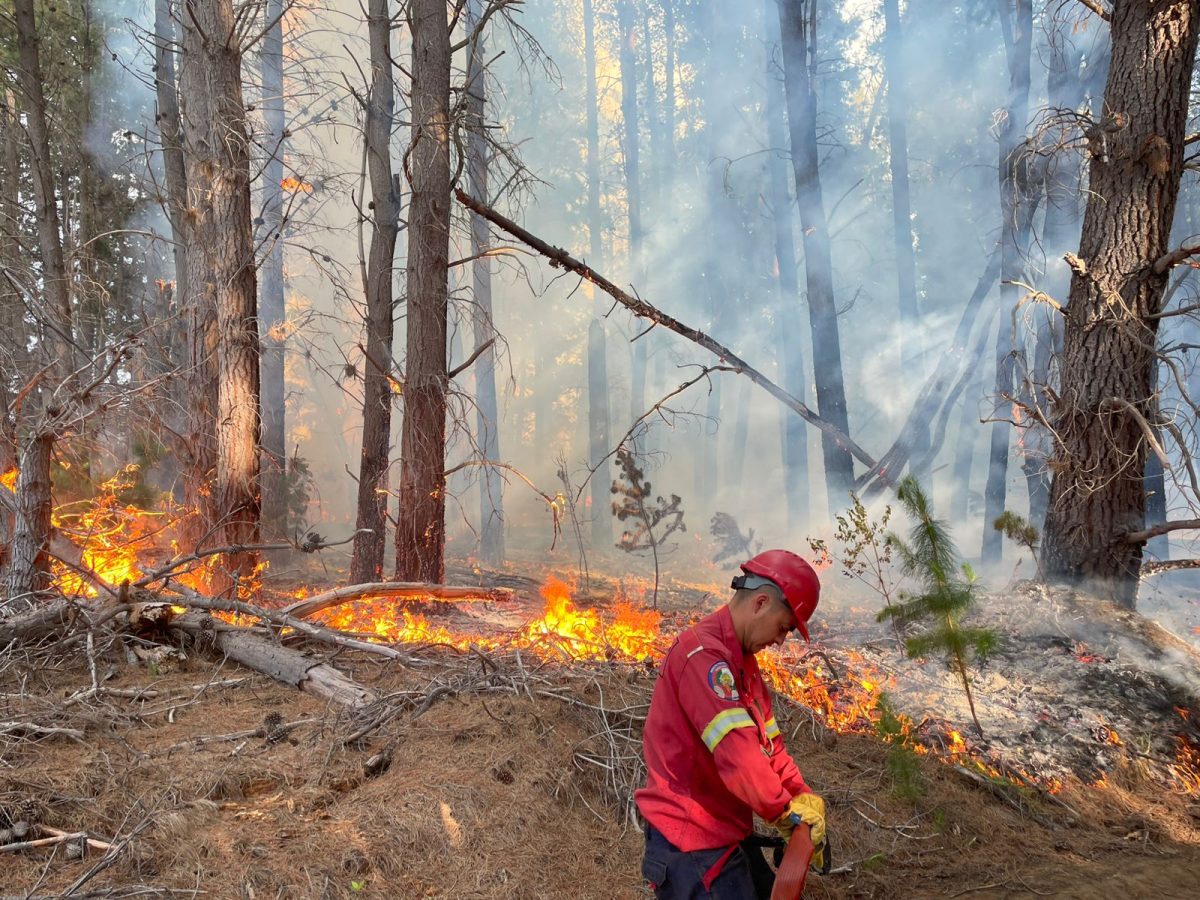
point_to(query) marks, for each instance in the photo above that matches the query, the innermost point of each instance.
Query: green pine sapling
(1018, 530)
(653, 520)
(929, 556)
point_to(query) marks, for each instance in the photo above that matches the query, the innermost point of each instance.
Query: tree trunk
(167, 93)
(906, 271)
(421, 529)
(272, 313)
(788, 351)
(597, 377)
(54, 279)
(1097, 493)
(221, 278)
(796, 20)
(366, 563)
(491, 503)
(28, 566)
(1016, 213)
(633, 198)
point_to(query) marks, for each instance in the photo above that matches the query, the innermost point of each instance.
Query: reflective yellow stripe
(723, 723)
(772, 728)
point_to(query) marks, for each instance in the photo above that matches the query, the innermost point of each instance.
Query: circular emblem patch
(720, 679)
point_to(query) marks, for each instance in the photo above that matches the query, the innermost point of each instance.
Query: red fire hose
(789, 877)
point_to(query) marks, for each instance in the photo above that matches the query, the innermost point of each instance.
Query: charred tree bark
(788, 348)
(366, 563)
(1016, 215)
(491, 501)
(221, 280)
(421, 528)
(797, 24)
(28, 565)
(1097, 494)
(597, 364)
(272, 313)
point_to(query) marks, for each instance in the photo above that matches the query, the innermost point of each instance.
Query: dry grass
(512, 783)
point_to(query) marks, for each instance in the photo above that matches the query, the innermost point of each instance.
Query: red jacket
(714, 754)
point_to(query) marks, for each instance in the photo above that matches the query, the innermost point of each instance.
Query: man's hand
(806, 808)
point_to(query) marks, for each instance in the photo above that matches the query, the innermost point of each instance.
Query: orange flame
(295, 184)
(9, 479)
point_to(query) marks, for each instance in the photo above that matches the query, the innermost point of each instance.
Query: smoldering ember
(599, 449)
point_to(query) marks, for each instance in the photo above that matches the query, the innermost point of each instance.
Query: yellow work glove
(806, 808)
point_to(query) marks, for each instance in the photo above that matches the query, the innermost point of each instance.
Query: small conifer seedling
(929, 557)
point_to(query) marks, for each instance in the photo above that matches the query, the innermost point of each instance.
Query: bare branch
(1140, 537)
(1175, 257)
(1099, 10)
(560, 258)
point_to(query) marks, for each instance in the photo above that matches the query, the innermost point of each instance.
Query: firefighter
(714, 753)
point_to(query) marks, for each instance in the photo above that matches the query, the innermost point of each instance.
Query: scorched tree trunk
(421, 526)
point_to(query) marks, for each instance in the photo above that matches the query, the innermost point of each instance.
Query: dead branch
(458, 370)
(395, 590)
(43, 842)
(311, 543)
(190, 598)
(1140, 537)
(91, 842)
(560, 258)
(1158, 567)
(1175, 257)
(34, 729)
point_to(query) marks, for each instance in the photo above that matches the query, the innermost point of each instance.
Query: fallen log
(37, 624)
(394, 590)
(257, 652)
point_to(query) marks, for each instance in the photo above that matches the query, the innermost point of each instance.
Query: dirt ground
(507, 779)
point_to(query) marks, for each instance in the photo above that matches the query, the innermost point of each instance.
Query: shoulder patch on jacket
(722, 682)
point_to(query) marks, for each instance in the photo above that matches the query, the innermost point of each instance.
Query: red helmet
(793, 576)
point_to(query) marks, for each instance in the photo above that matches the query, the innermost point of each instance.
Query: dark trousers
(675, 875)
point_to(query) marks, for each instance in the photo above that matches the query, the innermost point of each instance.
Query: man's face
(772, 621)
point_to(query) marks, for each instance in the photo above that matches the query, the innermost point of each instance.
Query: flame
(113, 535)
(295, 184)
(9, 478)
(822, 560)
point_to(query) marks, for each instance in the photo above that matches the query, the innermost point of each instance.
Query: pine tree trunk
(421, 529)
(272, 311)
(366, 562)
(167, 94)
(221, 280)
(789, 352)
(1016, 214)
(491, 509)
(28, 565)
(906, 271)
(54, 275)
(597, 364)
(796, 19)
(633, 198)
(1097, 493)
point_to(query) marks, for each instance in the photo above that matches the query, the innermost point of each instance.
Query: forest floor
(501, 775)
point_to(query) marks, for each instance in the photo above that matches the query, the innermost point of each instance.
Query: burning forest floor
(498, 757)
